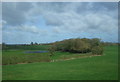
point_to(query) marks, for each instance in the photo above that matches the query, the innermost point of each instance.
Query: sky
(45, 22)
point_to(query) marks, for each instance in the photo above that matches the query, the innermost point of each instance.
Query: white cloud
(60, 18)
(69, 20)
(26, 28)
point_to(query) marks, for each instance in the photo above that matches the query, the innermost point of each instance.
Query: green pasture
(19, 56)
(89, 68)
(27, 47)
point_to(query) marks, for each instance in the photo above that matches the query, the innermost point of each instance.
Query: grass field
(15, 56)
(27, 47)
(90, 68)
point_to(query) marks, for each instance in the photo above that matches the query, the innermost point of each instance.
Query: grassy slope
(94, 68)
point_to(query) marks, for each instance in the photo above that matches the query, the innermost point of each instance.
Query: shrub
(52, 50)
(73, 45)
(98, 50)
(79, 45)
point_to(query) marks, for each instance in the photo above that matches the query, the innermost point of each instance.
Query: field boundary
(59, 60)
(73, 58)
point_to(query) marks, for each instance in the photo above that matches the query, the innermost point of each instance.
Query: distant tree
(95, 42)
(36, 43)
(31, 43)
(4, 46)
(97, 50)
(80, 46)
(96, 46)
(0, 46)
(52, 50)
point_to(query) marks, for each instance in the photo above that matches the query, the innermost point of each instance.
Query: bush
(98, 50)
(52, 50)
(79, 45)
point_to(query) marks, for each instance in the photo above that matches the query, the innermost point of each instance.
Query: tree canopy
(78, 45)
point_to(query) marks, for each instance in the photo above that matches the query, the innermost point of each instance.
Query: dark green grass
(95, 68)
(27, 47)
(19, 56)
(16, 54)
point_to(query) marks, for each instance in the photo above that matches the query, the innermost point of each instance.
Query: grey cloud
(53, 6)
(102, 6)
(63, 17)
(55, 18)
(72, 21)
(26, 28)
(15, 13)
(24, 6)
(106, 5)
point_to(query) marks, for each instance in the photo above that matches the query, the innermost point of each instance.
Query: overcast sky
(41, 22)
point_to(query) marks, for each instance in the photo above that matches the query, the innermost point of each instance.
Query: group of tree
(4, 46)
(35, 43)
(78, 45)
(110, 43)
